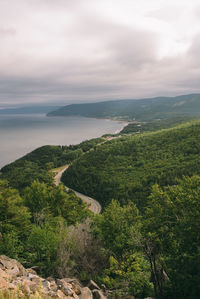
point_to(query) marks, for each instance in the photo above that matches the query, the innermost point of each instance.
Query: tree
(114, 226)
(14, 221)
(171, 239)
(128, 271)
(36, 198)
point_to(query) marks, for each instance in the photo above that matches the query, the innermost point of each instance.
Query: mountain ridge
(135, 109)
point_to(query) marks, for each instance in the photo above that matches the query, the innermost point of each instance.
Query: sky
(72, 51)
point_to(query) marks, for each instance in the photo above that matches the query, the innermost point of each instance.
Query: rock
(3, 274)
(103, 287)
(85, 293)
(15, 278)
(92, 285)
(50, 279)
(97, 294)
(53, 286)
(3, 284)
(77, 289)
(12, 267)
(65, 287)
(61, 295)
(31, 271)
(34, 287)
(32, 276)
(76, 285)
(46, 284)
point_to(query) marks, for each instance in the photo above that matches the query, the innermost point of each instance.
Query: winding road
(94, 205)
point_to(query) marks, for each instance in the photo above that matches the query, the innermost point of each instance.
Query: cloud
(72, 51)
(5, 32)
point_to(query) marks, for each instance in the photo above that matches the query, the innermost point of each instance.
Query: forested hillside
(36, 165)
(154, 125)
(145, 242)
(141, 110)
(126, 168)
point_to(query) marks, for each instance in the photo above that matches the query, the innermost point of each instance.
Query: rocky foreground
(19, 282)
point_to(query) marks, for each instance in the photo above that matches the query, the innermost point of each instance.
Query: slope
(126, 168)
(143, 109)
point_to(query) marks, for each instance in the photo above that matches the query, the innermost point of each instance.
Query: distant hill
(28, 110)
(142, 110)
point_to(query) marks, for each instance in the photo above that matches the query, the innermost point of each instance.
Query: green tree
(171, 239)
(42, 245)
(114, 226)
(128, 271)
(14, 221)
(36, 198)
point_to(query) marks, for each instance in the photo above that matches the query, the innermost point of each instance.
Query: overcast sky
(64, 51)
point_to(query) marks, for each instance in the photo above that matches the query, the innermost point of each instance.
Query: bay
(20, 134)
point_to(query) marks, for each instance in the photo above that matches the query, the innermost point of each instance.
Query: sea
(22, 133)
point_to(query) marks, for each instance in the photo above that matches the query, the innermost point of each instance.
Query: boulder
(103, 287)
(92, 285)
(3, 284)
(65, 287)
(15, 278)
(32, 271)
(61, 295)
(85, 293)
(53, 286)
(12, 267)
(76, 285)
(97, 294)
(3, 274)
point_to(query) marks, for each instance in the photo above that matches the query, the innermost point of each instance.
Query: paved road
(57, 178)
(95, 206)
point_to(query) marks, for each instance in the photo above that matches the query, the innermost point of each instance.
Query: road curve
(57, 178)
(94, 205)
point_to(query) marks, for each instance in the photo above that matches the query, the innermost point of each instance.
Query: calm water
(20, 134)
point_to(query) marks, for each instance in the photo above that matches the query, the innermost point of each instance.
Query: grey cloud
(193, 52)
(133, 49)
(88, 60)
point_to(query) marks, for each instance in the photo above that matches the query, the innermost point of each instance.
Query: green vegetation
(145, 243)
(141, 127)
(30, 225)
(35, 165)
(162, 243)
(170, 239)
(126, 168)
(141, 110)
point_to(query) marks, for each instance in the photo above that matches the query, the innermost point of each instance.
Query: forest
(36, 165)
(145, 242)
(126, 168)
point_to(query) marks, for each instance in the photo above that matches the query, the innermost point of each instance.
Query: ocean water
(20, 134)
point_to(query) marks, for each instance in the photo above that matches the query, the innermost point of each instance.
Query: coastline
(26, 133)
(124, 124)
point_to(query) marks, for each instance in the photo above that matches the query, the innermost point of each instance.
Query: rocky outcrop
(26, 283)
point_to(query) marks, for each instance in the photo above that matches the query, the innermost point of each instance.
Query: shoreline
(16, 151)
(123, 126)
